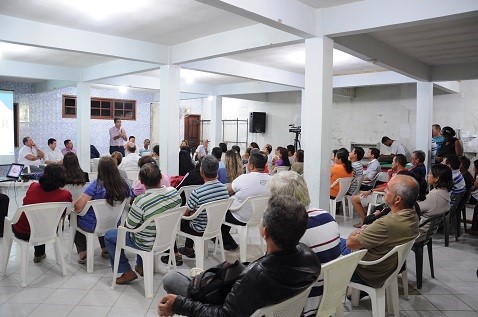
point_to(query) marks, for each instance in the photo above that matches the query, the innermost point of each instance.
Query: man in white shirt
(52, 153)
(290, 153)
(395, 148)
(246, 185)
(202, 149)
(145, 150)
(131, 159)
(30, 155)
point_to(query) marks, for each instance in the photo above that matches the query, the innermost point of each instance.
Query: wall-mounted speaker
(257, 122)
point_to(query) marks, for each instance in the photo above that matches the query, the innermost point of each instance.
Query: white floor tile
(447, 302)
(50, 310)
(16, 309)
(66, 296)
(100, 298)
(94, 311)
(32, 295)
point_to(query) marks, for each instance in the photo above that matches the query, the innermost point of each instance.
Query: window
(102, 108)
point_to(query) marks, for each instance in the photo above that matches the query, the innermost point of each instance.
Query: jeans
(176, 283)
(111, 237)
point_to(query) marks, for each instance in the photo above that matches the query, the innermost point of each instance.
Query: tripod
(297, 145)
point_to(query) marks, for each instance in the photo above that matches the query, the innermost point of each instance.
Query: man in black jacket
(285, 270)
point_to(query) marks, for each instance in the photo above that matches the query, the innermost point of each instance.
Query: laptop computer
(13, 173)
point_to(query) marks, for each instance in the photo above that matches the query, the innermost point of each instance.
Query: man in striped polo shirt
(212, 190)
(143, 208)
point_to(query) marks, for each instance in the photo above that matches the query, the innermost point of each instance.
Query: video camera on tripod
(294, 129)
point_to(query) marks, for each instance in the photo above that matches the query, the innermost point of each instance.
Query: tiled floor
(453, 292)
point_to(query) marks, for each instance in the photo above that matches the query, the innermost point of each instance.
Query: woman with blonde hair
(233, 166)
(322, 234)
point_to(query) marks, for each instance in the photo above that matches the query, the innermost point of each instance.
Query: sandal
(104, 253)
(82, 257)
(179, 259)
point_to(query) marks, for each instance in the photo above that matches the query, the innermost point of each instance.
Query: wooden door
(192, 130)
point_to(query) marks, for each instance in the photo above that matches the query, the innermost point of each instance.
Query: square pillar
(83, 124)
(424, 119)
(216, 122)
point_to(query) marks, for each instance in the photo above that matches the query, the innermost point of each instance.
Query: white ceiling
(234, 41)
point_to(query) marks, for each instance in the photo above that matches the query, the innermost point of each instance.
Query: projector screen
(7, 154)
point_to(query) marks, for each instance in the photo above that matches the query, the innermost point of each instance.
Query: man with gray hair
(131, 159)
(398, 227)
(212, 190)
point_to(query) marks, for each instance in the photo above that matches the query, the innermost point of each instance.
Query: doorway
(192, 130)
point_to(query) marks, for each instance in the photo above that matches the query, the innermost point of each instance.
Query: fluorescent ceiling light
(123, 89)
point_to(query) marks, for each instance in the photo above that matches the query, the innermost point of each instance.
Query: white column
(169, 119)
(424, 119)
(316, 119)
(216, 122)
(83, 124)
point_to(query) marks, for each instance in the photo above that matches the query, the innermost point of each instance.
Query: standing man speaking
(117, 137)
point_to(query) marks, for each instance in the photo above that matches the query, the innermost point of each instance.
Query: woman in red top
(341, 168)
(45, 191)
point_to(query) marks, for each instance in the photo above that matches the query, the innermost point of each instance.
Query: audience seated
(356, 156)
(362, 200)
(221, 172)
(130, 161)
(322, 234)
(31, 155)
(287, 268)
(146, 150)
(418, 160)
(474, 200)
(290, 153)
(94, 152)
(246, 185)
(298, 165)
(464, 170)
(233, 164)
(68, 147)
(373, 167)
(268, 150)
(74, 173)
(118, 158)
(48, 189)
(341, 168)
(437, 201)
(398, 227)
(143, 208)
(459, 186)
(110, 186)
(450, 145)
(139, 187)
(4, 202)
(212, 190)
(52, 153)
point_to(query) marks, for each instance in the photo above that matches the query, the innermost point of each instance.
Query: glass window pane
(95, 112)
(128, 114)
(105, 112)
(70, 111)
(105, 104)
(128, 105)
(70, 102)
(118, 113)
(95, 104)
(118, 105)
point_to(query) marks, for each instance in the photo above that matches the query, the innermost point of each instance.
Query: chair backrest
(75, 190)
(463, 200)
(344, 185)
(259, 205)
(434, 224)
(107, 216)
(456, 204)
(291, 307)
(43, 219)
(358, 180)
(187, 190)
(92, 176)
(382, 177)
(402, 251)
(216, 212)
(133, 175)
(336, 275)
(167, 225)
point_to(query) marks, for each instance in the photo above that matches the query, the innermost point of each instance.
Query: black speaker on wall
(257, 122)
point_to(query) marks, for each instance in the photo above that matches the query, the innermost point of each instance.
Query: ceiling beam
(370, 49)
(116, 68)
(249, 38)
(251, 88)
(464, 71)
(31, 33)
(290, 16)
(232, 67)
(379, 15)
(39, 71)
(451, 87)
(371, 79)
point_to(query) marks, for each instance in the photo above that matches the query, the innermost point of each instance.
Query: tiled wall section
(45, 119)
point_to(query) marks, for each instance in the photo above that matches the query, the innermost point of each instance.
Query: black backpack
(213, 285)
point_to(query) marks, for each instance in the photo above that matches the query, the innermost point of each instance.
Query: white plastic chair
(336, 275)
(371, 183)
(133, 174)
(187, 190)
(107, 217)
(43, 219)
(75, 191)
(344, 185)
(376, 197)
(167, 225)
(280, 169)
(216, 211)
(92, 176)
(382, 177)
(348, 198)
(291, 307)
(259, 205)
(377, 295)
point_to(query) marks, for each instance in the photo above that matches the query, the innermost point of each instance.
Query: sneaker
(139, 270)
(231, 247)
(179, 260)
(189, 252)
(37, 259)
(104, 253)
(126, 277)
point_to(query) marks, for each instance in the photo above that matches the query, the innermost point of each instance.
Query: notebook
(13, 173)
